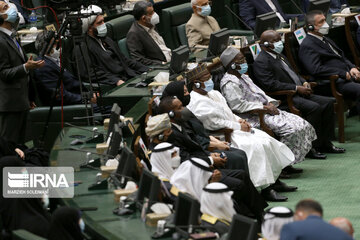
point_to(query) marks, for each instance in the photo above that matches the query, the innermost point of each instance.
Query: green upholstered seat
(123, 47)
(171, 18)
(181, 30)
(119, 27)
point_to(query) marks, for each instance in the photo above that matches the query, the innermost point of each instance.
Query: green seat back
(182, 34)
(119, 27)
(22, 234)
(171, 18)
(123, 47)
(38, 118)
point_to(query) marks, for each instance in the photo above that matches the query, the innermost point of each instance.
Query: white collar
(177, 126)
(6, 31)
(318, 37)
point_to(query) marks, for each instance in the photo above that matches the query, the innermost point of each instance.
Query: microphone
(94, 130)
(88, 117)
(242, 21)
(86, 151)
(49, 43)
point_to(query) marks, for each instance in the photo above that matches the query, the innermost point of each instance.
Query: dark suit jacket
(46, 79)
(142, 47)
(312, 228)
(14, 81)
(270, 74)
(319, 60)
(249, 9)
(358, 35)
(107, 67)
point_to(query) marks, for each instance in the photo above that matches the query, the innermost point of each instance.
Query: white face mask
(102, 30)
(55, 54)
(324, 29)
(155, 19)
(176, 160)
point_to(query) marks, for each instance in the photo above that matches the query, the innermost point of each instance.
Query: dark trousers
(350, 91)
(236, 159)
(13, 126)
(247, 198)
(319, 112)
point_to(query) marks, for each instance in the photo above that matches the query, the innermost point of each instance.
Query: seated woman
(66, 224)
(242, 96)
(266, 156)
(217, 208)
(22, 213)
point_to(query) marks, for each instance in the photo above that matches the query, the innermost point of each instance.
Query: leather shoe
(283, 187)
(333, 149)
(291, 170)
(272, 196)
(313, 154)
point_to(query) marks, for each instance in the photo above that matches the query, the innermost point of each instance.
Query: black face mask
(186, 100)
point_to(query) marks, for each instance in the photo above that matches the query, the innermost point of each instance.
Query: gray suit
(14, 90)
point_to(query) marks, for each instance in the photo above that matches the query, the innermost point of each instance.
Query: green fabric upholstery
(171, 18)
(22, 234)
(38, 118)
(119, 27)
(181, 30)
(123, 47)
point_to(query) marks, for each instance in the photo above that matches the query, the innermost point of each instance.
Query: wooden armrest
(226, 131)
(289, 97)
(261, 113)
(335, 93)
(306, 77)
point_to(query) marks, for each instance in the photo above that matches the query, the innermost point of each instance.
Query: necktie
(292, 74)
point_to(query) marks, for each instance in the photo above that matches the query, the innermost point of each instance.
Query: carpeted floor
(334, 182)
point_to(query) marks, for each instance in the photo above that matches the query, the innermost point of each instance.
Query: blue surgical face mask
(209, 85)
(12, 15)
(278, 47)
(205, 10)
(244, 68)
(82, 225)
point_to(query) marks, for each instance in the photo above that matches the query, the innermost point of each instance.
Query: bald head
(344, 224)
(270, 36)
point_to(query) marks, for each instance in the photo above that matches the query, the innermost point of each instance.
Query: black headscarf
(176, 88)
(22, 213)
(7, 148)
(65, 224)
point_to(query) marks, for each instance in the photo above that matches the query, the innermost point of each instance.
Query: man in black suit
(15, 100)
(321, 58)
(107, 64)
(46, 79)
(273, 72)
(249, 9)
(144, 43)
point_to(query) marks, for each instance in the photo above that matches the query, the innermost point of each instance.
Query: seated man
(358, 35)
(249, 9)
(144, 43)
(243, 96)
(217, 207)
(107, 64)
(191, 136)
(274, 219)
(194, 174)
(48, 76)
(266, 156)
(200, 26)
(273, 72)
(310, 225)
(321, 58)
